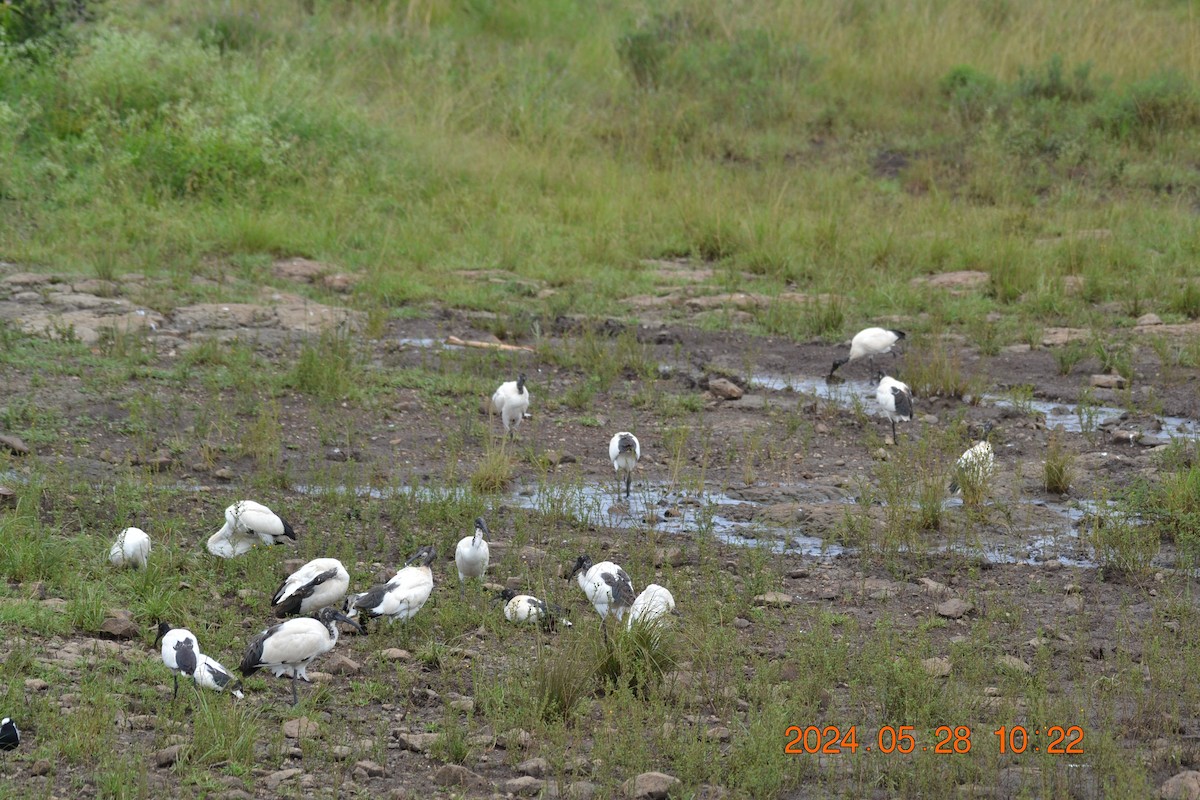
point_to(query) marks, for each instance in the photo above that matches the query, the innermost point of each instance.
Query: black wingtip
(899, 334)
(288, 531)
(953, 487)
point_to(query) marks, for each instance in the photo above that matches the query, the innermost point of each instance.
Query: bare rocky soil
(787, 490)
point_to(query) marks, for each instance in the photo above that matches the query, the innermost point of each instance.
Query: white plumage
(976, 464)
(511, 401)
(211, 675)
(471, 556)
(606, 586)
(401, 597)
(895, 398)
(868, 343)
(289, 647)
(651, 604)
(180, 651)
(248, 523)
(521, 608)
(319, 583)
(624, 451)
(132, 548)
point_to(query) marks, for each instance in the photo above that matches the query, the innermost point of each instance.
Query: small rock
(338, 664)
(580, 790)
(168, 755)
(724, 389)
(40, 767)
(741, 623)
(1184, 786)
(1014, 664)
(525, 786)
(937, 667)
(396, 654)
(933, 587)
(1149, 319)
(466, 705)
(718, 733)
(537, 767)
(371, 768)
(416, 742)
(301, 728)
(454, 775)
(650, 786)
(1125, 437)
(1108, 381)
(224, 474)
(954, 608)
(273, 780)
(120, 626)
(36, 685)
(341, 752)
(773, 600)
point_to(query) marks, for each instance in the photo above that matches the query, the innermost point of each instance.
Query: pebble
(650, 786)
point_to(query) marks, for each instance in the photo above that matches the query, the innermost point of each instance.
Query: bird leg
(894, 439)
(295, 699)
(175, 693)
(628, 481)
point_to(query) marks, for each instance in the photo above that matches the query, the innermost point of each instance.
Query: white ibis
(471, 556)
(976, 465)
(868, 343)
(248, 523)
(624, 450)
(521, 608)
(132, 549)
(211, 675)
(606, 586)
(180, 651)
(401, 597)
(895, 398)
(289, 647)
(651, 604)
(10, 737)
(511, 401)
(319, 583)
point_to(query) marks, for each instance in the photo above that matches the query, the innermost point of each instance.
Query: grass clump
(494, 472)
(328, 369)
(1058, 470)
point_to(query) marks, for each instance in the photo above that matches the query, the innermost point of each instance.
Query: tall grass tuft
(1059, 467)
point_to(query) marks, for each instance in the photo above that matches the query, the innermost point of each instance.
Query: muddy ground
(762, 487)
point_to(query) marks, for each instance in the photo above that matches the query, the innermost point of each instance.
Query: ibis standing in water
(511, 401)
(624, 450)
(895, 398)
(180, 651)
(868, 343)
(606, 585)
(651, 604)
(248, 523)
(976, 465)
(10, 737)
(521, 608)
(289, 647)
(319, 583)
(132, 549)
(471, 555)
(401, 597)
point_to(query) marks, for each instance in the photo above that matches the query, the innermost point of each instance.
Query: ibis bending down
(401, 597)
(132, 549)
(651, 604)
(895, 398)
(868, 343)
(511, 401)
(976, 465)
(606, 586)
(248, 523)
(319, 583)
(471, 555)
(211, 675)
(527, 608)
(180, 651)
(624, 450)
(289, 647)
(10, 737)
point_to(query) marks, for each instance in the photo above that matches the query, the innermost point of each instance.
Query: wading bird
(319, 583)
(289, 647)
(131, 549)
(606, 586)
(624, 450)
(868, 343)
(895, 398)
(211, 675)
(471, 555)
(976, 465)
(10, 737)
(521, 608)
(401, 597)
(651, 604)
(511, 401)
(248, 523)
(180, 651)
